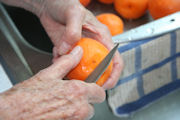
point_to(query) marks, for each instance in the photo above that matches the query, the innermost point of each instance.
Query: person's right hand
(47, 97)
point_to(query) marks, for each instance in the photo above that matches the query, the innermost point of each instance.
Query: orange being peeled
(93, 53)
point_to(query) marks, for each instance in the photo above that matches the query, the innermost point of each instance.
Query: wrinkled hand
(47, 97)
(66, 21)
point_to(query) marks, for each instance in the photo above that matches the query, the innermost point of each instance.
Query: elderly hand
(66, 21)
(46, 96)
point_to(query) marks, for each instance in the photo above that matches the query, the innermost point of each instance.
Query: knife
(99, 70)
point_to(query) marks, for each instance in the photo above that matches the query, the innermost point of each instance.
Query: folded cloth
(152, 70)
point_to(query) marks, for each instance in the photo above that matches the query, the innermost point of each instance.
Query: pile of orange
(93, 53)
(134, 9)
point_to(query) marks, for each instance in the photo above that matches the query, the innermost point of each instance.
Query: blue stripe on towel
(138, 55)
(132, 45)
(128, 108)
(173, 51)
(144, 71)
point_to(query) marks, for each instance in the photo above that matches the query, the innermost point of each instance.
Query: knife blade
(99, 70)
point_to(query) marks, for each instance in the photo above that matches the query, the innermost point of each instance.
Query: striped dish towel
(152, 70)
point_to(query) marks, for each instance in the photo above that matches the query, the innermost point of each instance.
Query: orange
(112, 21)
(106, 1)
(131, 9)
(85, 2)
(161, 8)
(93, 53)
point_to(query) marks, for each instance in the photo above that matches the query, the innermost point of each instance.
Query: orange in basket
(161, 8)
(131, 9)
(106, 1)
(85, 2)
(93, 53)
(112, 21)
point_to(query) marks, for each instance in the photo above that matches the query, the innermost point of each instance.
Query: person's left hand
(66, 21)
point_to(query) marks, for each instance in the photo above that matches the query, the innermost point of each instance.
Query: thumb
(64, 64)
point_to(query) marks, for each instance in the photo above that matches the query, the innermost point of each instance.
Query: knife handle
(152, 29)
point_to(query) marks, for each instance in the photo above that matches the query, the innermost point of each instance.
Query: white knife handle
(152, 29)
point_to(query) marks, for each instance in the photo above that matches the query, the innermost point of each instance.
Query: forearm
(34, 6)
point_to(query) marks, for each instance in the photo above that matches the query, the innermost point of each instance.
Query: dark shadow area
(30, 28)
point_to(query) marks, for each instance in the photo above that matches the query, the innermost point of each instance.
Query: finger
(116, 72)
(95, 94)
(54, 29)
(86, 112)
(72, 34)
(64, 64)
(94, 29)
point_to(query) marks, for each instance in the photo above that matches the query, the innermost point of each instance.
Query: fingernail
(76, 50)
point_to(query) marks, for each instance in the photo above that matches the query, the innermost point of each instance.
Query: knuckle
(73, 34)
(78, 88)
(76, 8)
